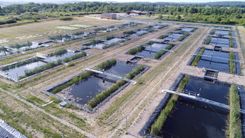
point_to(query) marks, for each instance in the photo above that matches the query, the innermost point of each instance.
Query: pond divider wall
(145, 130)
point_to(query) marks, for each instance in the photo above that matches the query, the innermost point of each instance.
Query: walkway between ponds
(222, 76)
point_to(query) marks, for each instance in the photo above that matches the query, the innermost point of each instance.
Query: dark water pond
(217, 60)
(89, 88)
(190, 119)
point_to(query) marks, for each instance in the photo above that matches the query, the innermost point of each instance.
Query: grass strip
(234, 125)
(159, 122)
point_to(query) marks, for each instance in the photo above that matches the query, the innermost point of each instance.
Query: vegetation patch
(234, 129)
(41, 69)
(76, 56)
(66, 18)
(133, 51)
(162, 52)
(159, 122)
(58, 52)
(198, 57)
(231, 43)
(185, 34)
(17, 46)
(20, 63)
(207, 40)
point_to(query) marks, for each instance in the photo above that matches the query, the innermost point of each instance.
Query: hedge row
(232, 64)
(231, 44)
(185, 34)
(133, 51)
(198, 57)
(20, 63)
(162, 52)
(17, 46)
(41, 68)
(104, 94)
(234, 126)
(76, 56)
(107, 64)
(156, 127)
(74, 80)
(58, 52)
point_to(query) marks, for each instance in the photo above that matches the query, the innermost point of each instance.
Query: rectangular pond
(152, 49)
(224, 33)
(173, 37)
(59, 57)
(217, 60)
(16, 71)
(187, 29)
(83, 91)
(222, 42)
(190, 118)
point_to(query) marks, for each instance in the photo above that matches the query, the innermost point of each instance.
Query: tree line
(181, 12)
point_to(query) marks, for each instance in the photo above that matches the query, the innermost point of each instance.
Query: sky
(62, 1)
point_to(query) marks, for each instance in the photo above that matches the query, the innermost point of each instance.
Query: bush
(207, 40)
(162, 52)
(17, 46)
(159, 122)
(69, 83)
(232, 64)
(133, 51)
(41, 68)
(58, 52)
(66, 18)
(231, 44)
(185, 34)
(107, 64)
(103, 95)
(21, 63)
(198, 57)
(135, 71)
(8, 21)
(82, 76)
(234, 126)
(76, 56)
